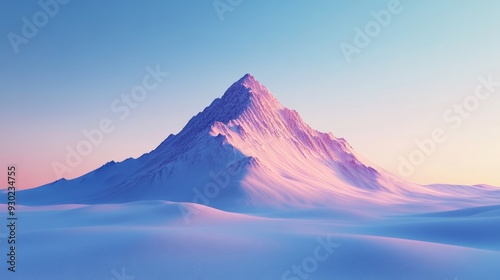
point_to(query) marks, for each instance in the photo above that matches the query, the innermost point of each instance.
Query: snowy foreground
(153, 240)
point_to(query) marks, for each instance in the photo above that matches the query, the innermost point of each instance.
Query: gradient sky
(427, 59)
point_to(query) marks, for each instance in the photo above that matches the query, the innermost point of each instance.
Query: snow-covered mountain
(246, 150)
(284, 192)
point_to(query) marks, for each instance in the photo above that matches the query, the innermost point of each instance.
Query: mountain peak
(236, 100)
(248, 77)
(247, 80)
(245, 99)
(248, 84)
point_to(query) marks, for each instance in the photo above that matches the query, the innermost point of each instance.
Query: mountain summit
(243, 95)
(244, 151)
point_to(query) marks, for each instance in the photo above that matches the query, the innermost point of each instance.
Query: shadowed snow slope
(246, 151)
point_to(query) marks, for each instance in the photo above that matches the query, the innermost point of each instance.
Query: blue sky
(427, 58)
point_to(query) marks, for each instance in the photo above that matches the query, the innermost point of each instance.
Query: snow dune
(151, 240)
